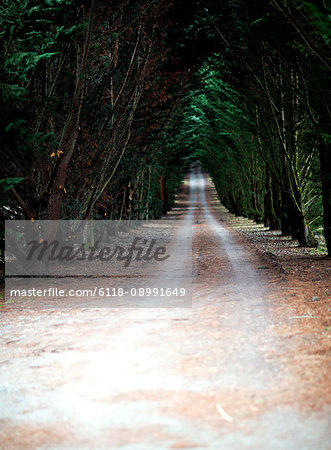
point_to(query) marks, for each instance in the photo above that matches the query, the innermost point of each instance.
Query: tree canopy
(104, 105)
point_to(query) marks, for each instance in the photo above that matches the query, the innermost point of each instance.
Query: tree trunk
(294, 221)
(276, 201)
(71, 129)
(269, 210)
(164, 194)
(68, 144)
(306, 237)
(300, 227)
(284, 218)
(325, 157)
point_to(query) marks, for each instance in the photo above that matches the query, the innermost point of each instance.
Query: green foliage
(216, 127)
(8, 183)
(321, 19)
(33, 38)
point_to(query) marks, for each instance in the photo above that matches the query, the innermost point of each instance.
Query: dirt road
(214, 376)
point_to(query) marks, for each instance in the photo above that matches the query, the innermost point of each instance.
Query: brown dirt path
(219, 375)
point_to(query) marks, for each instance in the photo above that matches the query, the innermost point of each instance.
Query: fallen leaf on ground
(222, 413)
